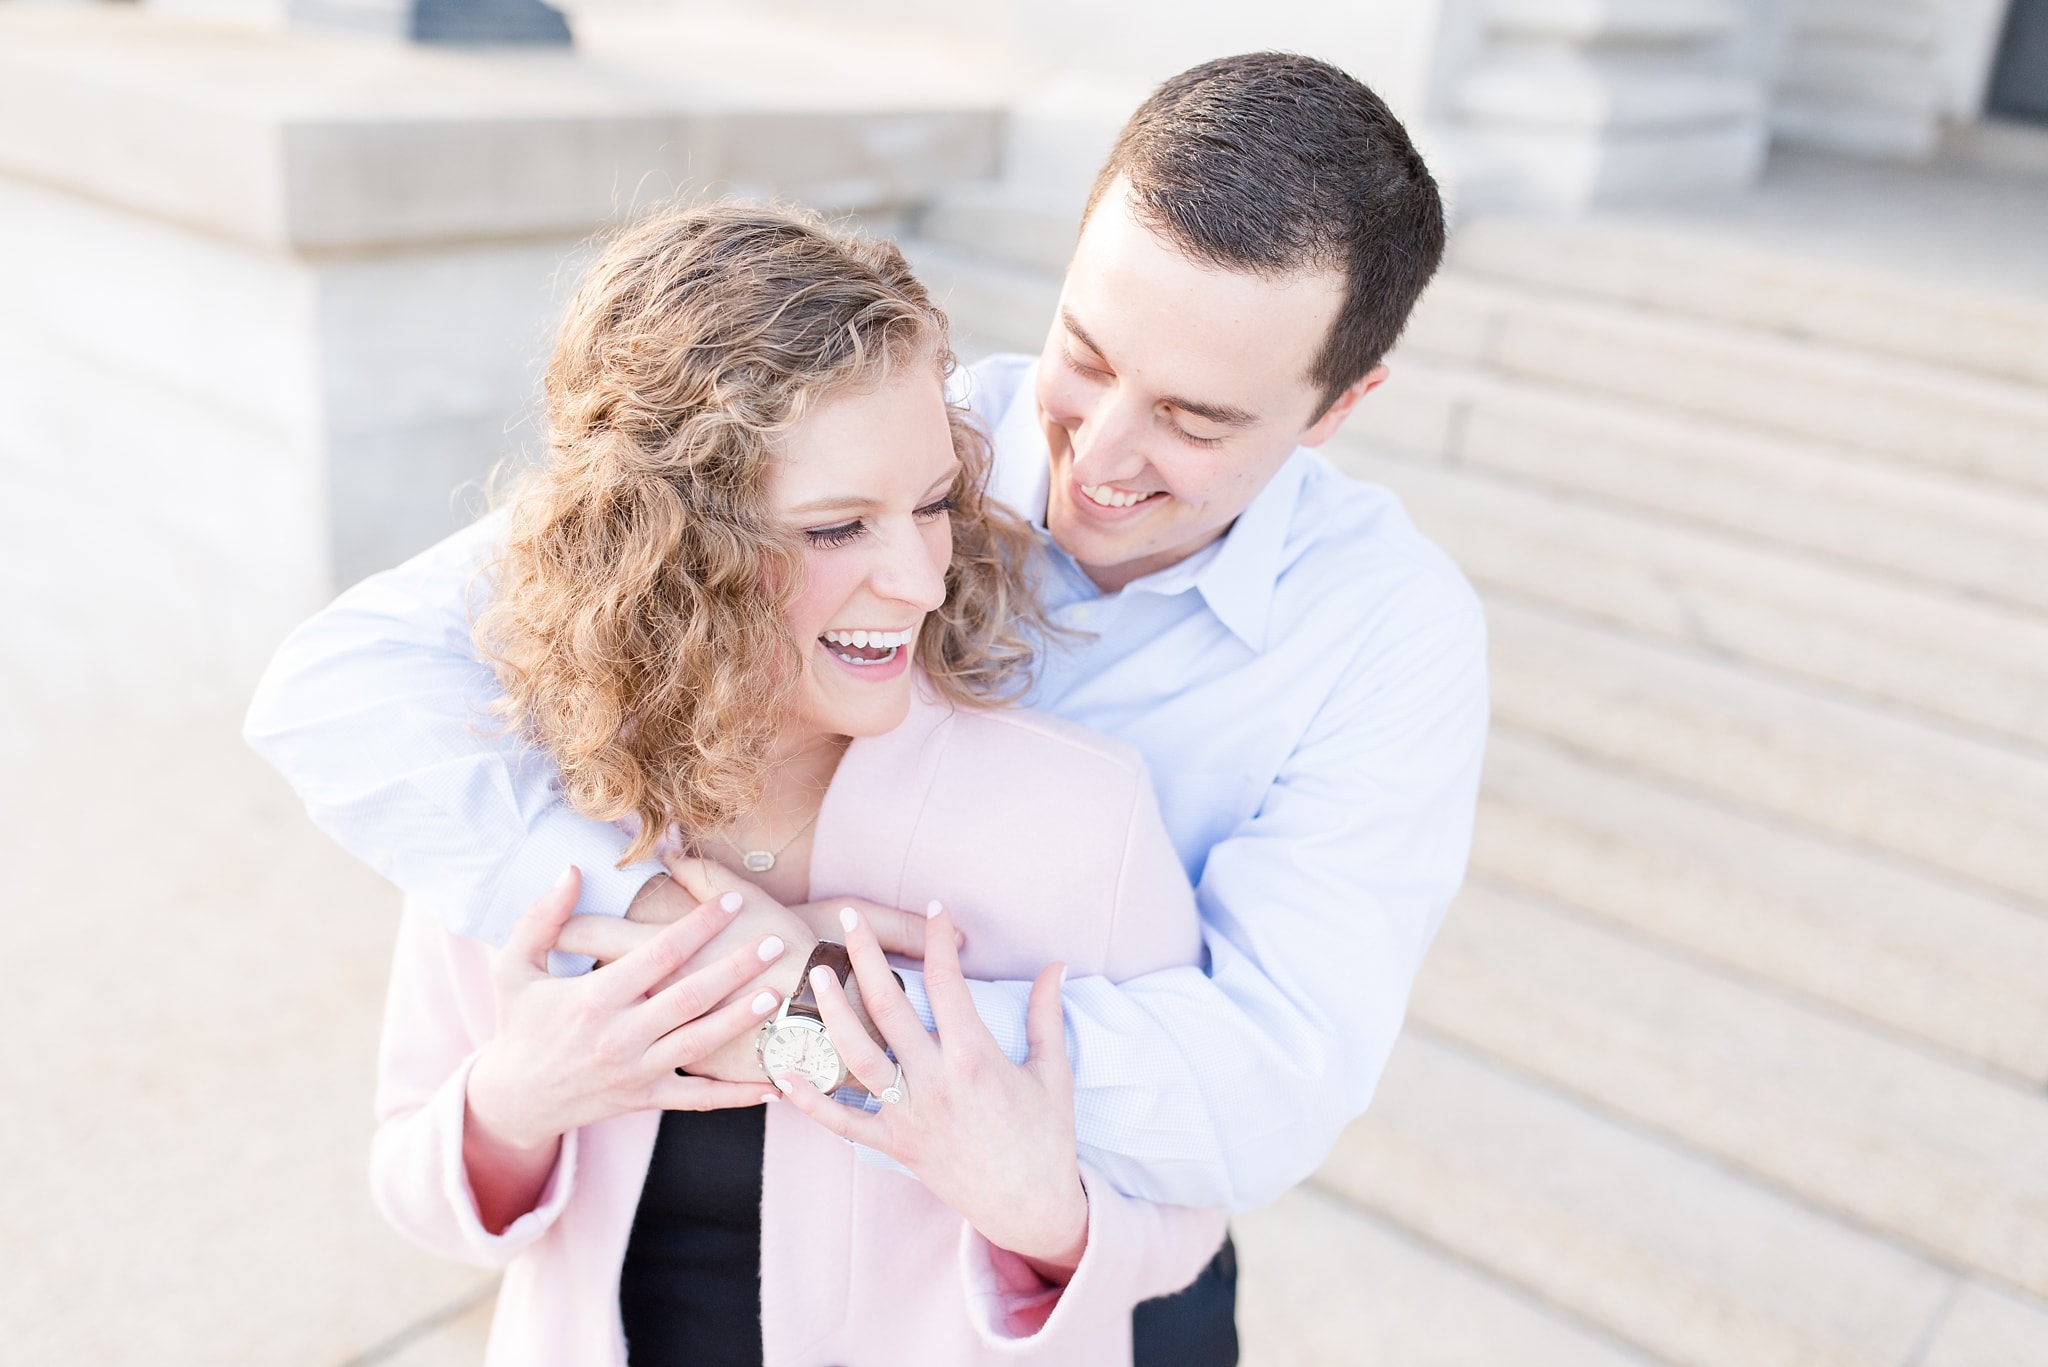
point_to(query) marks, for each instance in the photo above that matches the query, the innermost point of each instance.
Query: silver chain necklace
(761, 861)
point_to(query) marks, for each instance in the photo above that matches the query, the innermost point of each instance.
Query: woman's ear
(1325, 427)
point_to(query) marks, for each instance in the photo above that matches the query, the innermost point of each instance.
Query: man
(1303, 672)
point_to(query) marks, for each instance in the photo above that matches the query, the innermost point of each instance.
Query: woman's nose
(913, 571)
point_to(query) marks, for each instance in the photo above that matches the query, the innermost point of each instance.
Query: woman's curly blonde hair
(636, 618)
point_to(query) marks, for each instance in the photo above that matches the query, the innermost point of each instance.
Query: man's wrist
(645, 906)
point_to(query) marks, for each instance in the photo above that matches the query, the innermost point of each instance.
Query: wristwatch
(793, 1040)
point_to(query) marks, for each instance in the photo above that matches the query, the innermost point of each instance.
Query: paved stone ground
(188, 1064)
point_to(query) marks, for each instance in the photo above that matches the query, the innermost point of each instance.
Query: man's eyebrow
(1226, 415)
(1068, 321)
(1221, 413)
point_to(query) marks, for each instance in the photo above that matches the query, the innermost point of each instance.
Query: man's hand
(690, 881)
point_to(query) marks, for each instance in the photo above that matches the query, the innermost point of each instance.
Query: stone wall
(273, 303)
(1881, 77)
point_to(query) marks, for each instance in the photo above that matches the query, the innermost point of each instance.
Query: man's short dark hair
(1273, 163)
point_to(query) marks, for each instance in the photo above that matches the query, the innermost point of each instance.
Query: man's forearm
(376, 712)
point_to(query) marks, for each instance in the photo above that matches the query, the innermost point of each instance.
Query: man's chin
(1105, 559)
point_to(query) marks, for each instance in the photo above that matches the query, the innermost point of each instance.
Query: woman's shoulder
(958, 769)
(1053, 741)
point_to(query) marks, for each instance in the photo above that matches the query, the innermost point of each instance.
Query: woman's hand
(992, 1139)
(570, 1052)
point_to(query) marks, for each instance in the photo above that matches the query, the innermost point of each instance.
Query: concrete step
(1989, 1328)
(1305, 1261)
(1664, 1249)
(1950, 1161)
(1792, 753)
(994, 306)
(1983, 539)
(1884, 407)
(1003, 222)
(1978, 664)
(1629, 23)
(1905, 951)
(1792, 293)
(1898, 22)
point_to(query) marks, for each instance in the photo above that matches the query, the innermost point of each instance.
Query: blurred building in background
(1733, 400)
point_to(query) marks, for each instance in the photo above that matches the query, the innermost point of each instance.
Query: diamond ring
(892, 1093)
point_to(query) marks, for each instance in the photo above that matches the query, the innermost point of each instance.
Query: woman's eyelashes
(834, 536)
(845, 532)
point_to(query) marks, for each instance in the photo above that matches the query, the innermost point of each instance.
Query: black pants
(1195, 1326)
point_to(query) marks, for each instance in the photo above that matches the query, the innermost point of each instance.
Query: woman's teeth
(1111, 498)
(866, 647)
(861, 640)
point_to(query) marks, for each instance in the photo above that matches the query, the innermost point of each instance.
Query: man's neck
(1110, 579)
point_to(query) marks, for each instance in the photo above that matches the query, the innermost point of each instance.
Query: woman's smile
(870, 655)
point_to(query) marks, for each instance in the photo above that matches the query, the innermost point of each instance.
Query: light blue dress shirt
(1309, 692)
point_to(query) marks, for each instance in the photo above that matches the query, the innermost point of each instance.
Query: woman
(758, 612)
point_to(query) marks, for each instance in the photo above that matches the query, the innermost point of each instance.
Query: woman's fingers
(945, 986)
(686, 1031)
(635, 975)
(696, 992)
(704, 1094)
(856, 1127)
(1045, 1025)
(870, 1067)
(534, 934)
(896, 930)
(880, 996)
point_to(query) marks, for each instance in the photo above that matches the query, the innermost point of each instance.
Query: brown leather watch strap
(832, 956)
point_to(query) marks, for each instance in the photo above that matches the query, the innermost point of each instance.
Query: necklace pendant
(758, 861)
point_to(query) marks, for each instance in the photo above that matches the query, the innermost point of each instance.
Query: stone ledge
(323, 143)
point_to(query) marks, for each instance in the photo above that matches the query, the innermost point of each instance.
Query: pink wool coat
(1044, 840)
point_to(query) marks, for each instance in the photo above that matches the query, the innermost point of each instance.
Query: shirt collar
(1235, 574)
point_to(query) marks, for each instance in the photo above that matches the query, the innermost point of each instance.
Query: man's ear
(1325, 427)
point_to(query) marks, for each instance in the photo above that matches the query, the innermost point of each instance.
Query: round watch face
(801, 1046)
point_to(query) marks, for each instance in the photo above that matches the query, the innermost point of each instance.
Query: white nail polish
(782, 1084)
(819, 977)
(932, 909)
(563, 881)
(768, 1096)
(764, 1003)
(771, 949)
(848, 917)
(732, 901)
